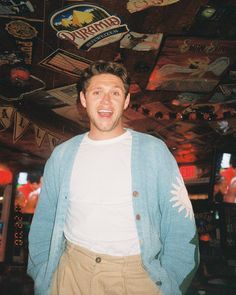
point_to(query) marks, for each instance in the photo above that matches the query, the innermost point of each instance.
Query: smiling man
(114, 215)
(105, 100)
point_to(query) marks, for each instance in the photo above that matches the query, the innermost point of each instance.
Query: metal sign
(87, 26)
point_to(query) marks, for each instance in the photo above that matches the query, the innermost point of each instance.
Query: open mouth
(105, 113)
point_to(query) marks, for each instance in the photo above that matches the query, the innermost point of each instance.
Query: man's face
(105, 102)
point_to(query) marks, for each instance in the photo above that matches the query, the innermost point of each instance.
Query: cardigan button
(135, 194)
(138, 217)
(158, 283)
(157, 255)
(98, 259)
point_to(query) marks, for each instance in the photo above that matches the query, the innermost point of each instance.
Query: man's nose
(106, 98)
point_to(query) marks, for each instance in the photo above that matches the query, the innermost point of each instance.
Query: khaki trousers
(82, 272)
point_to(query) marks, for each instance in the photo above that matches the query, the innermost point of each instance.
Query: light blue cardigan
(166, 229)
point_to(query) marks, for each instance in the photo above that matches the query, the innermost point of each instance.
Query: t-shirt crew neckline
(118, 138)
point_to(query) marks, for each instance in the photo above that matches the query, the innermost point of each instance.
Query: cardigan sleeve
(43, 221)
(180, 255)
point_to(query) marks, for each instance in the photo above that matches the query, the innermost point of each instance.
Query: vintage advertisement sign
(138, 5)
(141, 42)
(22, 30)
(87, 26)
(16, 7)
(23, 33)
(65, 62)
(23, 9)
(191, 65)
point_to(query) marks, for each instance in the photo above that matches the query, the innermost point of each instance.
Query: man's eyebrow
(118, 87)
(94, 87)
(100, 87)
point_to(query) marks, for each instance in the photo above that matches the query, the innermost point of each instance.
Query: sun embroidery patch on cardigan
(181, 198)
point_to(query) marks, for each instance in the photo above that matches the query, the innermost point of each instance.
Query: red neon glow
(5, 175)
(188, 172)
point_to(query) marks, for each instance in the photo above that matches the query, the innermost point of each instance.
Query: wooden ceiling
(181, 56)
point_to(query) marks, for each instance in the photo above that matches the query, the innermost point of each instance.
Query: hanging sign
(141, 42)
(20, 29)
(191, 65)
(39, 135)
(53, 141)
(20, 126)
(17, 7)
(23, 32)
(138, 5)
(87, 26)
(6, 116)
(65, 62)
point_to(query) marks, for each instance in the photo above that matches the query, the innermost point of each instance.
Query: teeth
(104, 111)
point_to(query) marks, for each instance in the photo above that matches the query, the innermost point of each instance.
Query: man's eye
(116, 93)
(96, 92)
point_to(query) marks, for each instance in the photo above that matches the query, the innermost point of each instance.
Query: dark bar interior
(181, 57)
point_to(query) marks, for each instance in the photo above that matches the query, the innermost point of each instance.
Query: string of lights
(191, 114)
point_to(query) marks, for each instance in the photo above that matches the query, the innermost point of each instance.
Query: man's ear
(127, 100)
(82, 99)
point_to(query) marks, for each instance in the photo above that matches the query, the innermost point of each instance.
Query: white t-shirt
(100, 214)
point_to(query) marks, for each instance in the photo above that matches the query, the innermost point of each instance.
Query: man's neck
(104, 135)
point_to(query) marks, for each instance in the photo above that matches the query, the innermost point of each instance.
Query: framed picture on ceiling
(191, 64)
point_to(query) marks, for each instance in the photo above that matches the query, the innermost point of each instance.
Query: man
(230, 172)
(24, 191)
(220, 189)
(25, 203)
(113, 216)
